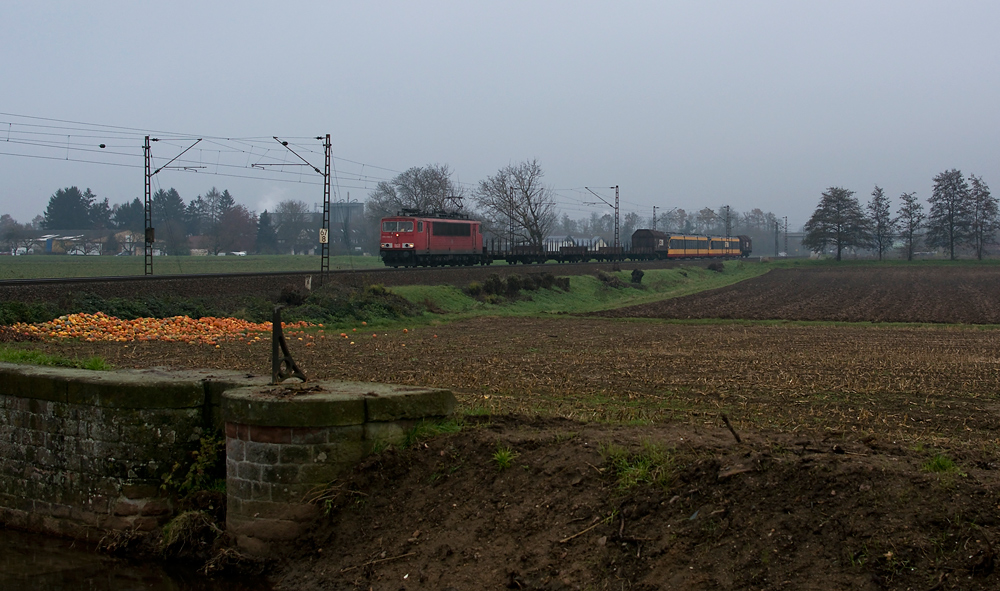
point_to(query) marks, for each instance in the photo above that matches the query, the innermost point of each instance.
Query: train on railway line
(417, 239)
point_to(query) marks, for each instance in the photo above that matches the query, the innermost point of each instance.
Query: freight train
(413, 239)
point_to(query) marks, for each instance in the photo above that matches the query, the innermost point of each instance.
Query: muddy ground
(809, 510)
(867, 456)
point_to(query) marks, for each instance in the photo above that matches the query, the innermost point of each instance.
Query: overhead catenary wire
(80, 146)
(235, 157)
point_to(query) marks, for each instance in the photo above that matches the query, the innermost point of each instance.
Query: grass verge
(587, 293)
(14, 355)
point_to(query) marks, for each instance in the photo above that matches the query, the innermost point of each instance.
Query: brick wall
(83, 452)
(283, 448)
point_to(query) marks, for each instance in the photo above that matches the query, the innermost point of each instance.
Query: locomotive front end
(397, 243)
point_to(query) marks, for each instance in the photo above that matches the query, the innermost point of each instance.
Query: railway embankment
(231, 288)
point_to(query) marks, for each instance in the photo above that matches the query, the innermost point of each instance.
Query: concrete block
(270, 511)
(156, 508)
(126, 508)
(33, 383)
(311, 435)
(268, 434)
(345, 434)
(350, 451)
(248, 471)
(404, 405)
(280, 474)
(260, 491)
(261, 453)
(263, 406)
(140, 490)
(295, 454)
(122, 390)
(386, 432)
(322, 474)
(237, 487)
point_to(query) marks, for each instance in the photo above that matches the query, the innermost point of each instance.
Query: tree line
(514, 204)
(963, 215)
(213, 222)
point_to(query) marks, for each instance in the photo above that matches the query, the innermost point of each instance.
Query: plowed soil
(911, 293)
(867, 455)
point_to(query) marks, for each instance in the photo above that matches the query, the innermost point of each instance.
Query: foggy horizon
(679, 104)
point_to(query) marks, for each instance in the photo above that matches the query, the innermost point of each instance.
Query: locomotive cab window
(451, 229)
(388, 226)
(405, 226)
(420, 226)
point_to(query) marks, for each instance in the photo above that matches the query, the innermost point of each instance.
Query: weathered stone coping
(329, 404)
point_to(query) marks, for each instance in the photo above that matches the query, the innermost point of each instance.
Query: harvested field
(868, 455)
(830, 485)
(935, 385)
(958, 294)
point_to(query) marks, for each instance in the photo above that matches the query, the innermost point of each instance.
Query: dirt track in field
(939, 294)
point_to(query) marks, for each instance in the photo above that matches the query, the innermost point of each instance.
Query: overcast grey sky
(681, 104)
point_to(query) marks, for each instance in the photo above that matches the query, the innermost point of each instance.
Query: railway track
(270, 284)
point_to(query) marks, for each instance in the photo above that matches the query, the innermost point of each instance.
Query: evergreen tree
(226, 203)
(129, 216)
(950, 220)
(910, 220)
(985, 216)
(267, 239)
(880, 222)
(68, 209)
(168, 219)
(99, 214)
(196, 216)
(838, 222)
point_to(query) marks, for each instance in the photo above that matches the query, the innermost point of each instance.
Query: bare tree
(883, 227)
(515, 195)
(15, 236)
(630, 223)
(568, 226)
(237, 229)
(984, 215)
(676, 220)
(293, 226)
(706, 220)
(911, 218)
(422, 188)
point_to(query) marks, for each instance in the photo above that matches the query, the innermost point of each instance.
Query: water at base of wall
(41, 563)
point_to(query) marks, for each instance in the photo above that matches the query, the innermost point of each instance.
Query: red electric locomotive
(413, 239)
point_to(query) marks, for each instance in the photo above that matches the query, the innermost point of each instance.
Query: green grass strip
(29, 357)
